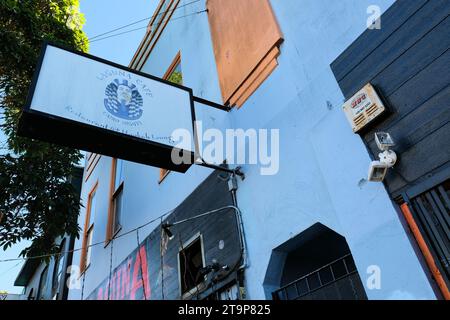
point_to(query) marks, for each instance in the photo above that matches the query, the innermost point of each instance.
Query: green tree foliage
(37, 199)
(176, 77)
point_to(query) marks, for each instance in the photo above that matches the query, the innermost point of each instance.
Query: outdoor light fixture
(166, 230)
(388, 158)
(214, 267)
(166, 226)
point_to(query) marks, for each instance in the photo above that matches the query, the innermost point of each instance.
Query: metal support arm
(226, 108)
(236, 171)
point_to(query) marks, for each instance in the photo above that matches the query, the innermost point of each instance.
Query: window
(89, 245)
(91, 162)
(30, 294)
(246, 40)
(116, 202)
(191, 263)
(174, 75)
(162, 10)
(42, 284)
(86, 248)
(117, 209)
(117, 196)
(58, 269)
(156, 26)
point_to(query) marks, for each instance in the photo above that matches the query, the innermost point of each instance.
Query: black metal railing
(332, 273)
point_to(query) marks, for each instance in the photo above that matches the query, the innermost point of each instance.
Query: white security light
(388, 158)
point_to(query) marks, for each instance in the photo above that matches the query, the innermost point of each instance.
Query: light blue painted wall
(321, 160)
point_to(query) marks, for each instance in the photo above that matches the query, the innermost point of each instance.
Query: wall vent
(363, 108)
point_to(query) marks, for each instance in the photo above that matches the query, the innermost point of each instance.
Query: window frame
(89, 235)
(43, 278)
(60, 260)
(197, 237)
(92, 159)
(153, 33)
(116, 194)
(163, 173)
(111, 232)
(88, 227)
(30, 295)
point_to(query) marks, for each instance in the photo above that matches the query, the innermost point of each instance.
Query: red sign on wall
(128, 281)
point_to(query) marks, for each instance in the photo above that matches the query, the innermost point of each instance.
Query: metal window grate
(327, 275)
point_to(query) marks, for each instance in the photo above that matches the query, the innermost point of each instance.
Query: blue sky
(105, 15)
(101, 16)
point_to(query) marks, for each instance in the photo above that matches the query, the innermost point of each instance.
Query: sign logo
(123, 100)
(359, 100)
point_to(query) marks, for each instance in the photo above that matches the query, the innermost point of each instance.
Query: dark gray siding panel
(411, 32)
(211, 194)
(422, 158)
(424, 94)
(419, 123)
(417, 58)
(393, 18)
(408, 61)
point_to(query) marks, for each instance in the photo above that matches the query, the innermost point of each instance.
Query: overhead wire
(161, 253)
(111, 268)
(105, 35)
(142, 20)
(10, 269)
(92, 245)
(144, 27)
(191, 293)
(144, 283)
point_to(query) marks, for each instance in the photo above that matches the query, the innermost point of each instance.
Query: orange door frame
(425, 250)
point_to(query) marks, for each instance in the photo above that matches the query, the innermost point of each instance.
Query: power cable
(161, 252)
(140, 28)
(133, 230)
(141, 263)
(182, 249)
(13, 267)
(191, 293)
(92, 245)
(110, 269)
(141, 20)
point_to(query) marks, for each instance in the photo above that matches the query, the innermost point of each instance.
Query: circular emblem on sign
(123, 100)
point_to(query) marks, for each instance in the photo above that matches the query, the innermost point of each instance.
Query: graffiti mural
(129, 280)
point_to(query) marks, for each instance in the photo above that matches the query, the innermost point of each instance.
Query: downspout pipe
(240, 224)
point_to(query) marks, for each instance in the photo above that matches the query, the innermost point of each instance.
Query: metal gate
(431, 212)
(338, 280)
